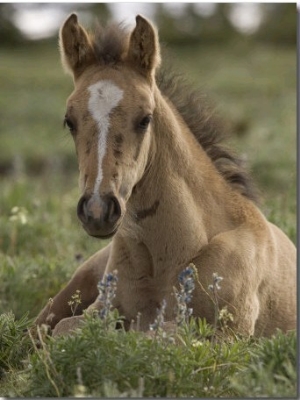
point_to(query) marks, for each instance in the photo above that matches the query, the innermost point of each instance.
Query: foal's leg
(232, 256)
(84, 279)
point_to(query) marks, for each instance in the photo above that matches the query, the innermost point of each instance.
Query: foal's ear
(144, 52)
(75, 46)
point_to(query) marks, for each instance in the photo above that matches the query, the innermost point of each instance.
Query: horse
(155, 177)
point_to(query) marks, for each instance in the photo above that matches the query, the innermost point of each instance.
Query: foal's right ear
(143, 51)
(75, 46)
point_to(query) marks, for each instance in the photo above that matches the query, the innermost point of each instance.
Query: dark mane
(110, 46)
(208, 129)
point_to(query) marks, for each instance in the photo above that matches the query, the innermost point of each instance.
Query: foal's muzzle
(100, 216)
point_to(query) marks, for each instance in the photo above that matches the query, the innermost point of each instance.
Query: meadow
(42, 243)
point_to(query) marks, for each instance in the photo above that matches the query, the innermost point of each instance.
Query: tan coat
(163, 197)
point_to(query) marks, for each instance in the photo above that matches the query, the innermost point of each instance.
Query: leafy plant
(14, 343)
(110, 358)
(272, 370)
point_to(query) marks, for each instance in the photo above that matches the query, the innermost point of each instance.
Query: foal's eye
(69, 124)
(143, 125)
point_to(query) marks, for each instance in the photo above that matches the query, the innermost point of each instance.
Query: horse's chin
(103, 237)
(101, 233)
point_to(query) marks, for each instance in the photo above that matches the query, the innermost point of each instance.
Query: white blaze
(104, 97)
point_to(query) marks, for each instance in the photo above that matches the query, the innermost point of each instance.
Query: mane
(209, 131)
(110, 47)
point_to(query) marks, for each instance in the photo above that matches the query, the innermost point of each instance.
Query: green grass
(100, 361)
(34, 90)
(42, 243)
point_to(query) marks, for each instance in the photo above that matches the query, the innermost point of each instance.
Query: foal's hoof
(67, 325)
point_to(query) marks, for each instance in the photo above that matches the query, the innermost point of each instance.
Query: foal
(153, 178)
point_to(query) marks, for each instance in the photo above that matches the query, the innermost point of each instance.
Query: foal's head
(109, 115)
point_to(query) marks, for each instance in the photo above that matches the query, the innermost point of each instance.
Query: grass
(100, 361)
(42, 243)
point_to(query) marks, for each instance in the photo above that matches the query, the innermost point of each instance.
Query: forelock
(111, 43)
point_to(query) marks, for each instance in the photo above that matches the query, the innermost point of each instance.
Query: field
(42, 243)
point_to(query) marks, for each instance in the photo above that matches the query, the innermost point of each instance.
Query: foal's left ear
(144, 52)
(75, 46)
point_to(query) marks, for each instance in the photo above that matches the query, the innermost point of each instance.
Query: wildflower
(160, 319)
(19, 214)
(197, 343)
(107, 292)
(213, 288)
(225, 317)
(187, 282)
(184, 294)
(216, 280)
(74, 302)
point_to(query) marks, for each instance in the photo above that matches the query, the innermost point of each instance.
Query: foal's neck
(180, 203)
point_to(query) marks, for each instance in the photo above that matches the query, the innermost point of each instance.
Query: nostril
(82, 209)
(113, 210)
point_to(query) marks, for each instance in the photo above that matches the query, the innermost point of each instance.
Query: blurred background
(242, 55)
(178, 22)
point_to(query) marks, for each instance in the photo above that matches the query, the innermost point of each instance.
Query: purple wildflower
(107, 292)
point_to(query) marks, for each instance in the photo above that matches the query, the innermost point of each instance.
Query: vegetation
(100, 361)
(42, 243)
